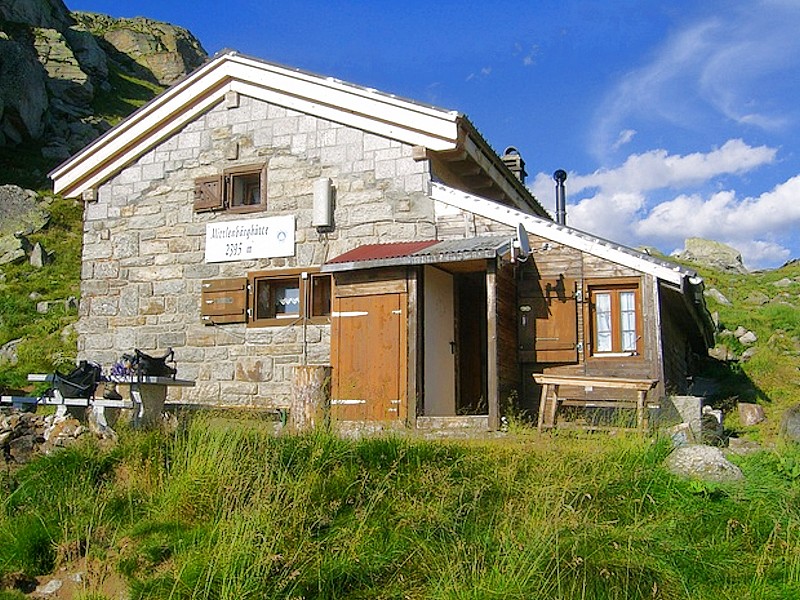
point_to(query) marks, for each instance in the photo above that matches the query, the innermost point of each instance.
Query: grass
(221, 510)
(125, 94)
(47, 341)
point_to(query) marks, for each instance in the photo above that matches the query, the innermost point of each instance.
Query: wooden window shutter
(224, 301)
(208, 194)
(556, 322)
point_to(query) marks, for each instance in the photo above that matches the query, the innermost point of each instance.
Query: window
(321, 296)
(239, 189)
(283, 298)
(277, 298)
(615, 318)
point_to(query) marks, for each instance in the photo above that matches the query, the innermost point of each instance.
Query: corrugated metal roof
(381, 251)
(419, 253)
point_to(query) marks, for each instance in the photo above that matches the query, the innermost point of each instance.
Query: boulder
(722, 353)
(87, 51)
(790, 424)
(750, 414)
(716, 295)
(21, 213)
(40, 257)
(706, 463)
(783, 283)
(38, 13)
(8, 352)
(748, 338)
(713, 254)
(757, 298)
(23, 93)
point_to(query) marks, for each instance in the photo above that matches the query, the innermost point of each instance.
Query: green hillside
(226, 510)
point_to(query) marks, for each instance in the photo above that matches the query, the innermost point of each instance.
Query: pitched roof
(685, 280)
(413, 123)
(563, 234)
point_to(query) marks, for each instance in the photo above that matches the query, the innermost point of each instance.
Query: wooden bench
(147, 397)
(550, 399)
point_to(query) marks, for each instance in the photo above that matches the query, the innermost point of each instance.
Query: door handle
(452, 347)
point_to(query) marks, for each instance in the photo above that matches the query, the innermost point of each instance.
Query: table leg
(543, 404)
(640, 416)
(553, 407)
(149, 399)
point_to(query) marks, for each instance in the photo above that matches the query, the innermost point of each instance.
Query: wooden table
(551, 383)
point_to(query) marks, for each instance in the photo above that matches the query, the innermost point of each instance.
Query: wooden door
(369, 357)
(548, 323)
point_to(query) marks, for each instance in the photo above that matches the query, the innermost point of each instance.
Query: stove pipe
(561, 200)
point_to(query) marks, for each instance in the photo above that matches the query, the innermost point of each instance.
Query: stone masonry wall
(143, 255)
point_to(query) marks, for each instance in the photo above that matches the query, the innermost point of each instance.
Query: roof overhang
(685, 281)
(364, 108)
(429, 252)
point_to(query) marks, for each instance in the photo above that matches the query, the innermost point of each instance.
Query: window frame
(305, 279)
(615, 287)
(232, 175)
(224, 186)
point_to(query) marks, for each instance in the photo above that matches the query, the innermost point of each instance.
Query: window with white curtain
(615, 315)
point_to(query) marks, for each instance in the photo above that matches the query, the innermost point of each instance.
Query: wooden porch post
(491, 347)
(412, 388)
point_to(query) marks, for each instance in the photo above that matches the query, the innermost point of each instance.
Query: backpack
(155, 366)
(81, 382)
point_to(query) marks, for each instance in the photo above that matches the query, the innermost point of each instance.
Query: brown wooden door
(548, 323)
(368, 355)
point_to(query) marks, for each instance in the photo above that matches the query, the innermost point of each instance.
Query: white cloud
(731, 66)
(482, 74)
(722, 215)
(625, 136)
(658, 169)
(617, 204)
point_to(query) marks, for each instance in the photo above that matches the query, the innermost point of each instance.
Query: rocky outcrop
(54, 64)
(24, 435)
(22, 212)
(712, 254)
(52, 14)
(164, 51)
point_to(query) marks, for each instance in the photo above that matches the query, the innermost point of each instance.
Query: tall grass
(225, 510)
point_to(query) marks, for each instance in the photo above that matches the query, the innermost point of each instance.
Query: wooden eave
(474, 167)
(386, 115)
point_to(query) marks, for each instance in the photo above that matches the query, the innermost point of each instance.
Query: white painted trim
(557, 233)
(327, 98)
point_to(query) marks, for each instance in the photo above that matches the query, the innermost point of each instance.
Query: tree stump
(311, 395)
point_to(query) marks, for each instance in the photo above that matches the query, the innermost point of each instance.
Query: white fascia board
(552, 231)
(415, 130)
(348, 98)
(324, 97)
(137, 134)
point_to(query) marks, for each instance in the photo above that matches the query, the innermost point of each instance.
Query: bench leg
(551, 417)
(543, 405)
(149, 399)
(641, 419)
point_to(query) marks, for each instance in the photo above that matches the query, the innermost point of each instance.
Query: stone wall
(143, 256)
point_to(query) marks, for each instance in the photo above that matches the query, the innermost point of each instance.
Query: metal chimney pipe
(561, 199)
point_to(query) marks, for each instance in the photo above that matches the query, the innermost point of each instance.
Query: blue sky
(673, 118)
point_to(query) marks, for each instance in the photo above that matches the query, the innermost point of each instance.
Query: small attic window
(240, 189)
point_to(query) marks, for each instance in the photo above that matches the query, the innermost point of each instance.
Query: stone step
(461, 422)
